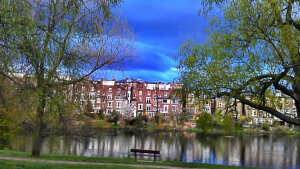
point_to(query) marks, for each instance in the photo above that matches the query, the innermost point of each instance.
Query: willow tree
(55, 44)
(252, 51)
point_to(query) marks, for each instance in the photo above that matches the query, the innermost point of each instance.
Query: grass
(12, 164)
(9, 164)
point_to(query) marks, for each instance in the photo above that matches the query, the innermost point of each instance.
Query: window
(98, 100)
(148, 99)
(165, 101)
(173, 108)
(82, 88)
(118, 97)
(133, 95)
(140, 99)
(220, 104)
(149, 93)
(140, 107)
(110, 89)
(109, 104)
(92, 89)
(254, 113)
(103, 93)
(98, 91)
(140, 93)
(166, 108)
(103, 101)
(206, 109)
(92, 95)
(165, 93)
(124, 94)
(109, 97)
(148, 107)
(119, 90)
(118, 104)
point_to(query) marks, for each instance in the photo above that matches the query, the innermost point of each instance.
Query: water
(277, 152)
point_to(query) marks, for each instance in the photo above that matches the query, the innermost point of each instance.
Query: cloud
(160, 27)
(174, 69)
(145, 75)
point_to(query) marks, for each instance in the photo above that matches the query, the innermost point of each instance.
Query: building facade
(130, 97)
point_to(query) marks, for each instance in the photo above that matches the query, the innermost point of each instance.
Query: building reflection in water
(259, 151)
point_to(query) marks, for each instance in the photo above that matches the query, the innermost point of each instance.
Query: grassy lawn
(12, 164)
(8, 164)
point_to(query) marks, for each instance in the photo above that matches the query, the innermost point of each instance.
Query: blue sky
(160, 27)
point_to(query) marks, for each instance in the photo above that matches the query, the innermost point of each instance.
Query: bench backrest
(144, 151)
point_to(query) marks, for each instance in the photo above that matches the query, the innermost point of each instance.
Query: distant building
(130, 96)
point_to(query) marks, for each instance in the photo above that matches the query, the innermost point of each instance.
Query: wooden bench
(145, 153)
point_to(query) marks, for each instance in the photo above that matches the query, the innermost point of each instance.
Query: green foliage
(205, 122)
(88, 108)
(5, 134)
(266, 126)
(101, 115)
(114, 117)
(252, 51)
(56, 44)
(139, 122)
(229, 124)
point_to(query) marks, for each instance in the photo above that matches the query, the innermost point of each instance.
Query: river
(274, 151)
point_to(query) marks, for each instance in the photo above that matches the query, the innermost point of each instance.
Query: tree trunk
(40, 127)
(38, 139)
(296, 86)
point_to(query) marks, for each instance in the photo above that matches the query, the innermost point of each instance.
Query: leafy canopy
(253, 50)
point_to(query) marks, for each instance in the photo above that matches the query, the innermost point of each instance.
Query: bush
(139, 122)
(5, 134)
(205, 122)
(266, 126)
(229, 124)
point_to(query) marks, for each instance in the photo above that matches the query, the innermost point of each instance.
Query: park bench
(139, 152)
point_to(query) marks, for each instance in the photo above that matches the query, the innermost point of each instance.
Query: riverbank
(89, 162)
(243, 132)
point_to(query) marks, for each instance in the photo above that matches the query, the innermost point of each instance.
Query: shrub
(266, 126)
(205, 122)
(229, 124)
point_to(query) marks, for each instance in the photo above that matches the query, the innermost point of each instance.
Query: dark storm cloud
(160, 27)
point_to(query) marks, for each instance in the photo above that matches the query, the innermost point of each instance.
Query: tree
(252, 52)
(205, 122)
(114, 117)
(88, 108)
(56, 44)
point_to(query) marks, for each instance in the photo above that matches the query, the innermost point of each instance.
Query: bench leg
(154, 157)
(135, 156)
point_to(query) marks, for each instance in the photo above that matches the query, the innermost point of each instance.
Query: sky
(160, 27)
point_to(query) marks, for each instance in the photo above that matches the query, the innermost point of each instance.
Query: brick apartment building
(130, 97)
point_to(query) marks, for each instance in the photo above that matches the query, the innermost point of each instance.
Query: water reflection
(258, 151)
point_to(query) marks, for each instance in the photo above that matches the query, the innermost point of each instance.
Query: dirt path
(83, 163)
